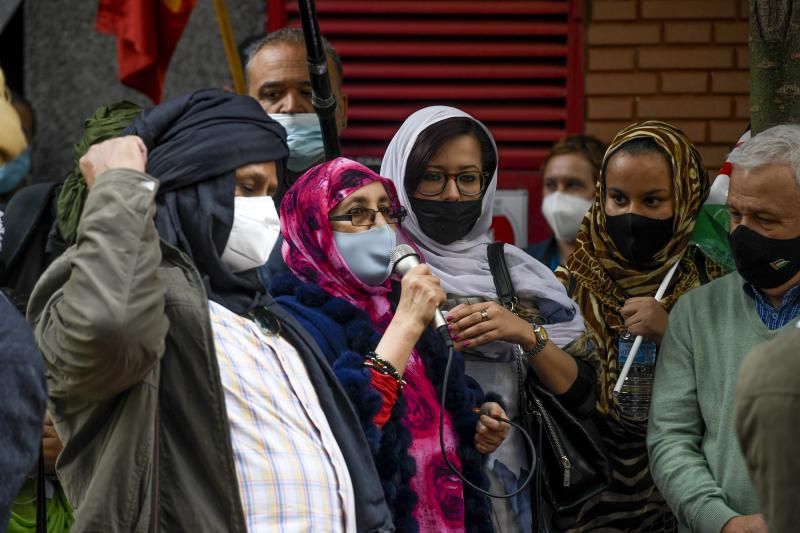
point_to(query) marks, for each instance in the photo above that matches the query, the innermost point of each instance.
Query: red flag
(147, 32)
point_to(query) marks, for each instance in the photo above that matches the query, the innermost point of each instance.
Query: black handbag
(571, 464)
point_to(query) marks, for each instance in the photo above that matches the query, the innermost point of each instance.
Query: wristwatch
(542, 338)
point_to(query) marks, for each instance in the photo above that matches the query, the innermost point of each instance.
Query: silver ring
(484, 315)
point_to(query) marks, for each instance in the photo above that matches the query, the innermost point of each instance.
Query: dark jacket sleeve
(22, 403)
(98, 311)
(580, 398)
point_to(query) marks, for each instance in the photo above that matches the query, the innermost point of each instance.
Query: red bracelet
(377, 363)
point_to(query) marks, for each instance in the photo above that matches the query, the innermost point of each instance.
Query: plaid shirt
(292, 476)
(776, 318)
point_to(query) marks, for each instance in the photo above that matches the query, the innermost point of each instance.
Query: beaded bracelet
(377, 363)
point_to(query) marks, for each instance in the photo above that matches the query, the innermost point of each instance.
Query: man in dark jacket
(186, 398)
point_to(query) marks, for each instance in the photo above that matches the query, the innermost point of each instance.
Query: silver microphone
(402, 259)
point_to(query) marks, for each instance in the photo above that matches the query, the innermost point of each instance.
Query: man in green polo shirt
(695, 457)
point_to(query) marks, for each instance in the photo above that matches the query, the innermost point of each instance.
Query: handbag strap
(505, 293)
(501, 276)
(572, 284)
(41, 496)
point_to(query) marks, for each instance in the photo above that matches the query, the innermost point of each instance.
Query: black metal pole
(322, 97)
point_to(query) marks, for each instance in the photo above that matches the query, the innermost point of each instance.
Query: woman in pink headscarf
(340, 222)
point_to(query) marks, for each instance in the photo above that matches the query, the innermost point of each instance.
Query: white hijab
(463, 265)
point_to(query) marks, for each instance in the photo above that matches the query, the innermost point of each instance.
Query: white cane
(637, 342)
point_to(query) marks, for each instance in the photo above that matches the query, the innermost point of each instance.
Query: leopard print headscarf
(603, 279)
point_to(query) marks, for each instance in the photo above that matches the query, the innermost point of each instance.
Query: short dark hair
(431, 140)
(644, 146)
(246, 45)
(591, 148)
(289, 36)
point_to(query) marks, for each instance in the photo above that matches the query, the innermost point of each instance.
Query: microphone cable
(402, 259)
(452, 467)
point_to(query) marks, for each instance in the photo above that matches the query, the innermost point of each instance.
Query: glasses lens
(431, 184)
(396, 216)
(362, 217)
(470, 184)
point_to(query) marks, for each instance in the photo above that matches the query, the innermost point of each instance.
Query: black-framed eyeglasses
(362, 216)
(470, 183)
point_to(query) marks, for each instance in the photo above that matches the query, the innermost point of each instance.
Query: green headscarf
(23, 512)
(105, 123)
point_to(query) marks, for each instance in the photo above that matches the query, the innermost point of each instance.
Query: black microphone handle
(440, 325)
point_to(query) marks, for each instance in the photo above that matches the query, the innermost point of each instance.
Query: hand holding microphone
(421, 296)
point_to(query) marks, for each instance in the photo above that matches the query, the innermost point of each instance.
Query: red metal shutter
(515, 65)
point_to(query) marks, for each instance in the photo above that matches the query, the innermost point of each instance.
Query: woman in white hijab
(444, 165)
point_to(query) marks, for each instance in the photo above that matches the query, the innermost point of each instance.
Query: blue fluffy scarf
(345, 334)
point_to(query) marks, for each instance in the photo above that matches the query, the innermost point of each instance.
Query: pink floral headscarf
(309, 248)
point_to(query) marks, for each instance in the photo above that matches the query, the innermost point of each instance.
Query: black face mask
(766, 263)
(445, 222)
(639, 238)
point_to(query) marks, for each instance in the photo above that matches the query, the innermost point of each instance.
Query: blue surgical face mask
(367, 253)
(12, 172)
(304, 137)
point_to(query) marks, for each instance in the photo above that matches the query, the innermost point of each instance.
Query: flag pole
(637, 342)
(322, 97)
(229, 44)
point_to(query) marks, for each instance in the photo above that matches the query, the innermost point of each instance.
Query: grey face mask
(367, 253)
(304, 137)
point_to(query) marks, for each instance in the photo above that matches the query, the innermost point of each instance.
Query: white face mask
(254, 233)
(564, 212)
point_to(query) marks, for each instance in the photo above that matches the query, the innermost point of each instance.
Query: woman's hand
(51, 446)
(479, 324)
(490, 433)
(420, 297)
(646, 317)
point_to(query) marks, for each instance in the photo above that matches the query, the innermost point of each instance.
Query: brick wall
(681, 61)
